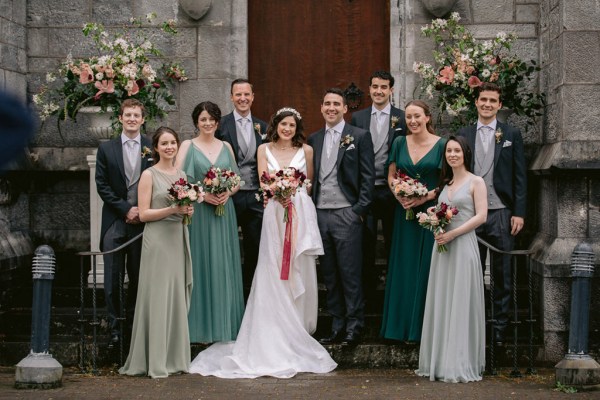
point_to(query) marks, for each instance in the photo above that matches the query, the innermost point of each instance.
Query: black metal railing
(95, 322)
(515, 322)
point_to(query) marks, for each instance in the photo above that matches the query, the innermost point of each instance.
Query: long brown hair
(273, 136)
(426, 111)
(447, 174)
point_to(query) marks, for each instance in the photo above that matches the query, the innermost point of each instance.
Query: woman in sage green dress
(453, 340)
(418, 155)
(159, 341)
(217, 304)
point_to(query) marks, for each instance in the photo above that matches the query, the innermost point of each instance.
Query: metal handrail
(101, 253)
(515, 322)
(94, 322)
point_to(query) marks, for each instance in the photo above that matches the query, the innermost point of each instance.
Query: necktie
(330, 137)
(130, 148)
(485, 132)
(245, 133)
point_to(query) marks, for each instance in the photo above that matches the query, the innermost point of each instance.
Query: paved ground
(341, 384)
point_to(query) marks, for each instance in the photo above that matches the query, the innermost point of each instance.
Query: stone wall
(568, 163)
(13, 47)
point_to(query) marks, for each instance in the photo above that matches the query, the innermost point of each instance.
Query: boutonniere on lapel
(498, 135)
(257, 130)
(346, 140)
(394, 120)
(146, 152)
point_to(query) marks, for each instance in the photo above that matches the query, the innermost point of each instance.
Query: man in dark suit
(119, 164)
(342, 191)
(245, 133)
(498, 157)
(386, 123)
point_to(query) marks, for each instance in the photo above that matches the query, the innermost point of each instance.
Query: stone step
(369, 354)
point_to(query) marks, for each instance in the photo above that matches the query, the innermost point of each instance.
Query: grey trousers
(341, 266)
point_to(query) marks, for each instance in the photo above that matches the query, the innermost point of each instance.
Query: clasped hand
(443, 237)
(185, 210)
(411, 202)
(216, 199)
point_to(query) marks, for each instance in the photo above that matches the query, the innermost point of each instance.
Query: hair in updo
(273, 136)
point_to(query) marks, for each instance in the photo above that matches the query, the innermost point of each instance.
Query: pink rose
(446, 75)
(474, 82)
(132, 88)
(87, 75)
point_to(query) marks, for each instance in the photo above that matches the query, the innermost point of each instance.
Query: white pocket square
(507, 143)
(350, 147)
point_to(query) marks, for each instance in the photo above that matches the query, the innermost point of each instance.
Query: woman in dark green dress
(418, 155)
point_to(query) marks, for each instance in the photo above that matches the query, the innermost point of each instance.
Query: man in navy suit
(342, 191)
(119, 164)
(386, 123)
(17, 127)
(498, 157)
(245, 133)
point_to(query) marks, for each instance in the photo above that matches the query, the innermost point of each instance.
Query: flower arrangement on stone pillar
(462, 63)
(122, 69)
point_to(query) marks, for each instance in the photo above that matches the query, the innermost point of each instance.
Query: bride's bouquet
(217, 181)
(183, 193)
(436, 219)
(282, 185)
(405, 186)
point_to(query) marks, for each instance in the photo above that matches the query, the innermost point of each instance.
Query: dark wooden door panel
(297, 49)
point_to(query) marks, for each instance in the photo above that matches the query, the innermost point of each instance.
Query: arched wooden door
(297, 49)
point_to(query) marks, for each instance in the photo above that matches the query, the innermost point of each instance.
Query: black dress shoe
(334, 337)
(351, 339)
(113, 342)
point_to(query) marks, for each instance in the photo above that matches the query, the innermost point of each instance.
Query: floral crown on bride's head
(289, 109)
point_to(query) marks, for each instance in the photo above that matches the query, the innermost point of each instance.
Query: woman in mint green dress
(418, 155)
(217, 302)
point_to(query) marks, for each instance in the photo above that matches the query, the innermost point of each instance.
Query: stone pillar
(568, 163)
(95, 221)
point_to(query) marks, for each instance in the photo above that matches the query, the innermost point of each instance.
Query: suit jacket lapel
(472, 131)
(232, 131)
(318, 149)
(394, 112)
(341, 150)
(117, 148)
(500, 143)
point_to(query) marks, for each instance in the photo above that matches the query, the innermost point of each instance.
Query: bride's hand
(285, 202)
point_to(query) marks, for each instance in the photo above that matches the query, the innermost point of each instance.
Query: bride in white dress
(275, 335)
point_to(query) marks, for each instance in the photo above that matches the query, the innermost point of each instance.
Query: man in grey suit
(386, 123)
(498, 157)
(342, 191)
(119, 164)
(245, 133)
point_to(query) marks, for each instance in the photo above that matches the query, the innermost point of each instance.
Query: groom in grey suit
(244, 132)
(498, 157)
(119, 164)
(344, 175)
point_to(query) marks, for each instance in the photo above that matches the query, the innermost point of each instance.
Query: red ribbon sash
(287, 244)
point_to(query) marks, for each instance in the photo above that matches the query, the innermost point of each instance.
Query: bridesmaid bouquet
(436, 219)
(217, 181)
(282, 185)
(405, 186)
(183, 193)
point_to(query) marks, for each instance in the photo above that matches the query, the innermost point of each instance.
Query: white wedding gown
(275, 336)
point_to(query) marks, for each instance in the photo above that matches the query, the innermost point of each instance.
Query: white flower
(102, 61)
(147, 45)
(37, 99)
(120, 42)
(501, 35)
(486, 73)
(50, 77)
(99, 76)
(455, 16)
